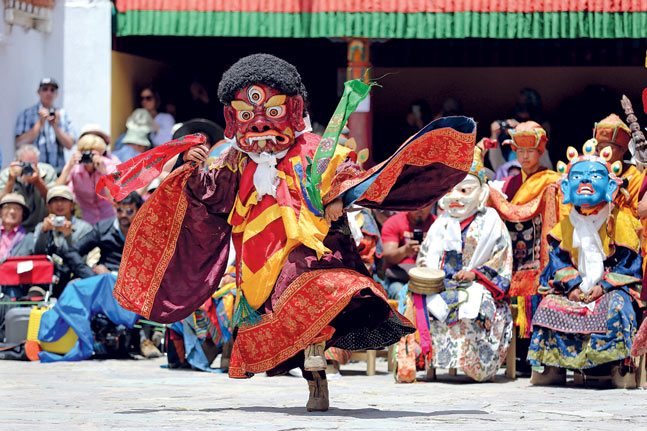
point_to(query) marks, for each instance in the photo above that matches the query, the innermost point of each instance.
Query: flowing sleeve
(626, 270)
(176, 251)
(495, 274)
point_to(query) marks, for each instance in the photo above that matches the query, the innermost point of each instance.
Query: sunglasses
(127, 211)
(147, 97)
(46, 89)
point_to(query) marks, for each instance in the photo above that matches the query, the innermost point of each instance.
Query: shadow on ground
(366, 413)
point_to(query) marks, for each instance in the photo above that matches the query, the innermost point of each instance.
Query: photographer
(44, 126)
(31, 179)
(82, 172)
(527, 108)
(59, 231)
(402, 235)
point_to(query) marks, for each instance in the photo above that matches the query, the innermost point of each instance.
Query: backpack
(110, 341)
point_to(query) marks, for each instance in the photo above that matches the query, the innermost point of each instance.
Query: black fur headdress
(260, 69)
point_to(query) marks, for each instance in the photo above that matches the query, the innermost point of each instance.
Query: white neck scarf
(590, 262)
(266, 176)
(445, 235)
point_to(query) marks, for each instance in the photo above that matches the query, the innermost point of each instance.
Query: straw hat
(94, 129)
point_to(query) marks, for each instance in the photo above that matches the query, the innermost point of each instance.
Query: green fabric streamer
(354, 92)
(385, 25)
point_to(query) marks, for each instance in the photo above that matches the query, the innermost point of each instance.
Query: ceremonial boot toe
(550, 376)
(314, 357)
(318, 400)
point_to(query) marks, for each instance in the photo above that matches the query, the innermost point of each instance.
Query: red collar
(467, 221)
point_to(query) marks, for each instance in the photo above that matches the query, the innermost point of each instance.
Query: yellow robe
(535, 185)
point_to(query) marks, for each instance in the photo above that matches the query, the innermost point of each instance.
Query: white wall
(76, 53)
(87, 62)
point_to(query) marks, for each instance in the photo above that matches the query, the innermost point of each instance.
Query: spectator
(110, 237)
(418, 116)
(46, 127)
(95, 129)
(14, 239)
(162, 122)
(527, 108)
(138, 127)
(200, 105)
(451, 108)
(400, 247)
(30, 178)
(59, 231)
(82, 173)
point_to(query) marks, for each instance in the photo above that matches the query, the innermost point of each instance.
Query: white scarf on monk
(590, 261)
(445, 235)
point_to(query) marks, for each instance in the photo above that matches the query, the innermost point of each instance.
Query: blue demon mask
(588, 184)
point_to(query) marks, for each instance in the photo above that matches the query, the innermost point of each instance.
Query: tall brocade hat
(528, 135)
(612, 129)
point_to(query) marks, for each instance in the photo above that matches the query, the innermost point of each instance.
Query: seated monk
(469, 322)
(588, 319)
(530, 208)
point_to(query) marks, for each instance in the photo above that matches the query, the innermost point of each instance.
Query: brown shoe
(550, 376)
(148, 349)
(314, 357)
(318, 400)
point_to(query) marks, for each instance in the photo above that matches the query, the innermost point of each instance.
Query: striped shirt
(51, 151)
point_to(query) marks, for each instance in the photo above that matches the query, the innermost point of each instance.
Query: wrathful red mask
(263, 119)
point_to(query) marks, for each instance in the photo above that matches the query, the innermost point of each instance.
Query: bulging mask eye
(244, 116)
(275, 111)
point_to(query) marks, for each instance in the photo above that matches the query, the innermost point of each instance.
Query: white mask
(466, 198)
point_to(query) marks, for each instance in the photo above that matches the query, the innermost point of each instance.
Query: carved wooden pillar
(360, 123)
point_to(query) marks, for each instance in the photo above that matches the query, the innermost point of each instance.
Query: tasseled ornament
(522, 319)
(244, 313)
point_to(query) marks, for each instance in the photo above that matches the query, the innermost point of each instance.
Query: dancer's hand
(197, 154)
(333, 210)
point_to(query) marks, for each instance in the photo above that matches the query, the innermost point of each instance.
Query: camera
(490, 143)
(504, 124)
(27, 169)
(86, 157)
(418, 235)
(52, 113)
(58, 221)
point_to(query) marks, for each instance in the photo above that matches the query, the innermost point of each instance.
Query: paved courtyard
(138, 394)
